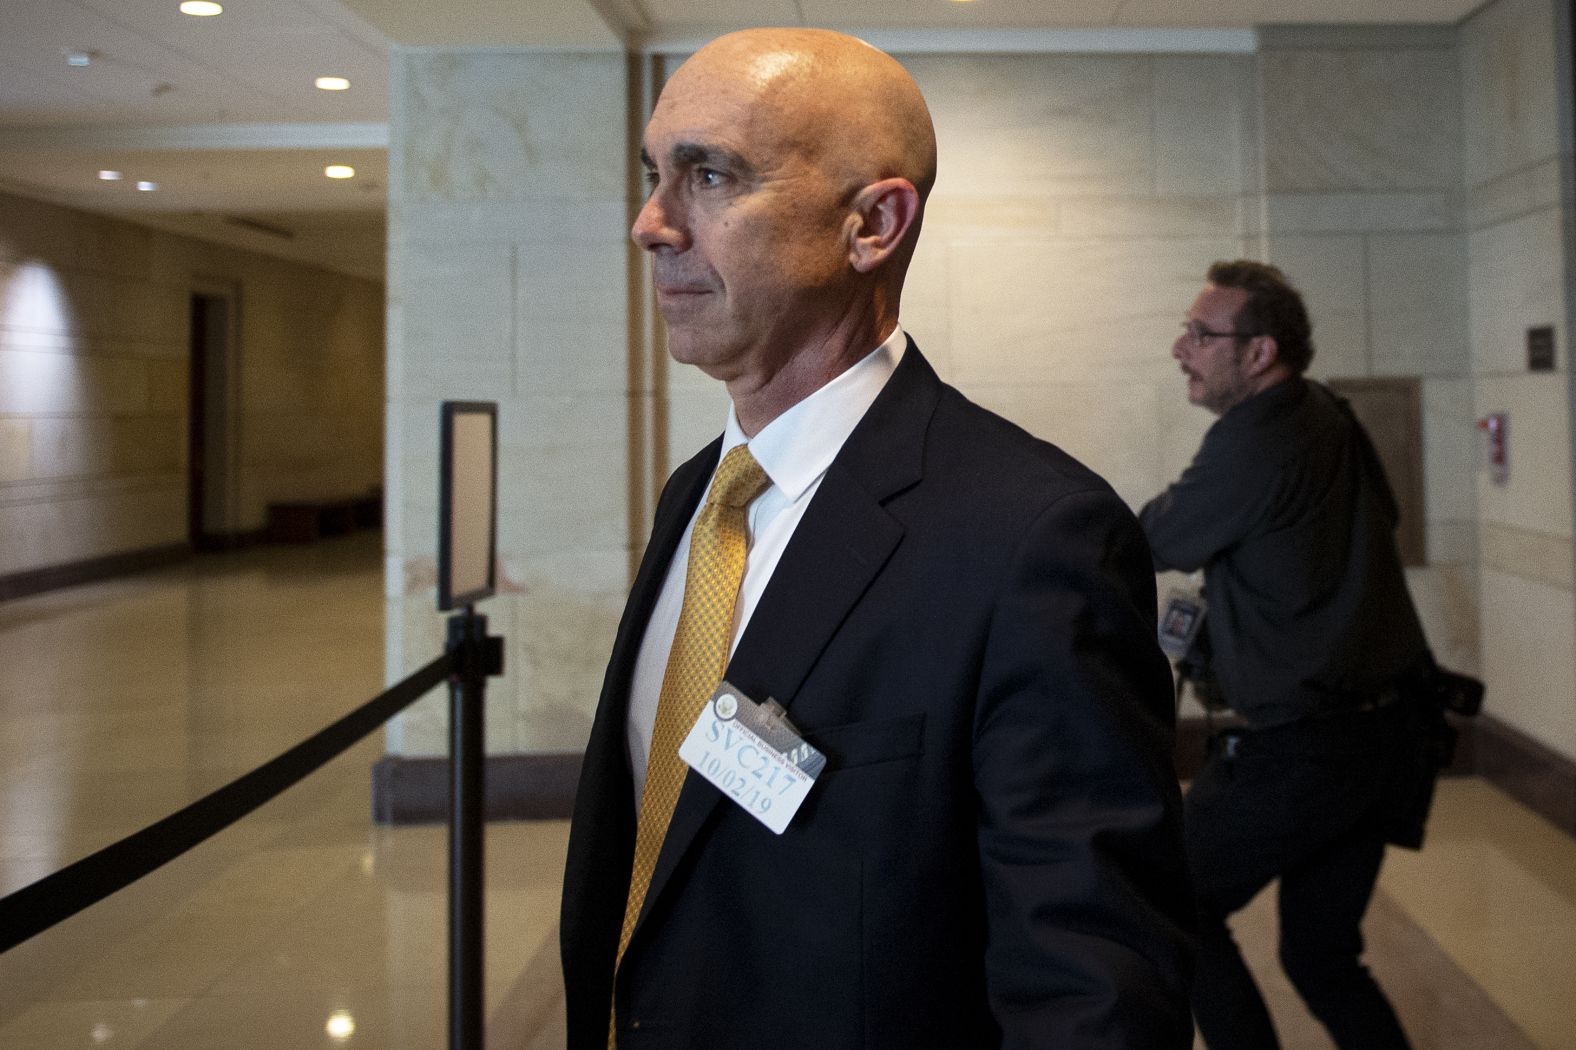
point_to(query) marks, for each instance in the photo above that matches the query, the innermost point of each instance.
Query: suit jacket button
(634, 1025)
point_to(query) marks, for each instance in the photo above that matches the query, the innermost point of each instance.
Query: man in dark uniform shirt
(1287, 510)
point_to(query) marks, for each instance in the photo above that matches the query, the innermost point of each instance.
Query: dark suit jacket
(964, 622)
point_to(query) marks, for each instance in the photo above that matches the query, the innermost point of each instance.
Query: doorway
(211, 497)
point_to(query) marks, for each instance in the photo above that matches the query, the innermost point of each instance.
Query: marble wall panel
(1070, 310)
(510, 204)
(68, 447)
(421, 730)
(412, 529)
(1206, 113)
(107, 302)
(571, 607)
(1446, 599)
(548, 221)
(1528, 662)
(1537, 497)
(1547, 184)
(1417, 304)
(1331, 273)
(1146, 217)
(1510, 88)
(16, 450)
(572, 335)
(1010, 217)
(1040, 125)
(926, 312)
(68, 384)
(1292, 213)
(168, 386)
(490, 126)
(277, 384)
(504, 614)
(1182, 428)
(1452, 542)
(148, 444)
(1530, 555)
(695, 417)
(1343, 120)
(1515, 274)
(36, 302)
(38, 230)
(565, 497)
(94, 524)
(136, 314)
(1112, 428)
(1452, 450)
(458, 320)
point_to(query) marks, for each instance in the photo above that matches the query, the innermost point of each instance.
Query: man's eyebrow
(696, 155)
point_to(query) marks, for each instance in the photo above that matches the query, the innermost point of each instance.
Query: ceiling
(221, 113)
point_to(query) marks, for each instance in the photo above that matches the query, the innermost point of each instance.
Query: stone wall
(94, 364)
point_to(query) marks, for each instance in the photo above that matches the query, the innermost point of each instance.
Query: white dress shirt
(795, 449)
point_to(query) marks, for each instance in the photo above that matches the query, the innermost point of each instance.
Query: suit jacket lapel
(837, 550)
(674, 510)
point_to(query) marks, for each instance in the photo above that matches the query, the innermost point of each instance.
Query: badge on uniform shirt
(754, 755)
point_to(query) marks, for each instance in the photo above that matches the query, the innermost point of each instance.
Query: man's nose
(1179, 348)
(656, 225)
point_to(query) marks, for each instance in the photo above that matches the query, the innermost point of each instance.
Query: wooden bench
(302, 521)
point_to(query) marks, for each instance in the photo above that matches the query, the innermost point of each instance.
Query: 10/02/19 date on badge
(753, 754)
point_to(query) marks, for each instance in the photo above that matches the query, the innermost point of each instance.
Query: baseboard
(92, 570)
(518, 787)
(1539, 778)
(221, 542)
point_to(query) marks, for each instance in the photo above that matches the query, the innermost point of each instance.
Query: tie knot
(739, 480)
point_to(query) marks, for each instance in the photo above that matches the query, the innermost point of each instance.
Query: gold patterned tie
(697, 660)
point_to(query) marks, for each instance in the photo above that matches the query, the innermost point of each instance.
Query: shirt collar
(796, 448)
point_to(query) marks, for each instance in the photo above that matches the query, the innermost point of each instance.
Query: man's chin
(689, 345)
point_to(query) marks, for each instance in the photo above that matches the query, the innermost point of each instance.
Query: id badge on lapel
(753, 755)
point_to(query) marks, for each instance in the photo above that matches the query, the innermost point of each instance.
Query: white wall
(94, 363)
(1517, 165)
(1411, 180)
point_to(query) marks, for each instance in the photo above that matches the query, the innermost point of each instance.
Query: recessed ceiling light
(340, 171)
(110, 175)
(201, 8)
(147, 187)
(80, 56)
(332, 84)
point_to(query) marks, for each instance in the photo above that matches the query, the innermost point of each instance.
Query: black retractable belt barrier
(467, 573)
(55, 898)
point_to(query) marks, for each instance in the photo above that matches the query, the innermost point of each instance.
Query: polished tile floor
(307, 926)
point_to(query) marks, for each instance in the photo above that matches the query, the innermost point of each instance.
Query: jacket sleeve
(1089, 911)
(1214, 504)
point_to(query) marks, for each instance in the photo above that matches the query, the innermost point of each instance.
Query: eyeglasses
(1196, 334)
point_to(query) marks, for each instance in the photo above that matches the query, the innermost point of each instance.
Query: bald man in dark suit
(958, 615)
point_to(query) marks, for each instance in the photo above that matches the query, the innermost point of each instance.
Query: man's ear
(879, 218)
(1263, 354)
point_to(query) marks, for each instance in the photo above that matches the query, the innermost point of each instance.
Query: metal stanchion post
(476, 657)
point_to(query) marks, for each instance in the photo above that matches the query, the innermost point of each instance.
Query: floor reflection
(307, 926)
